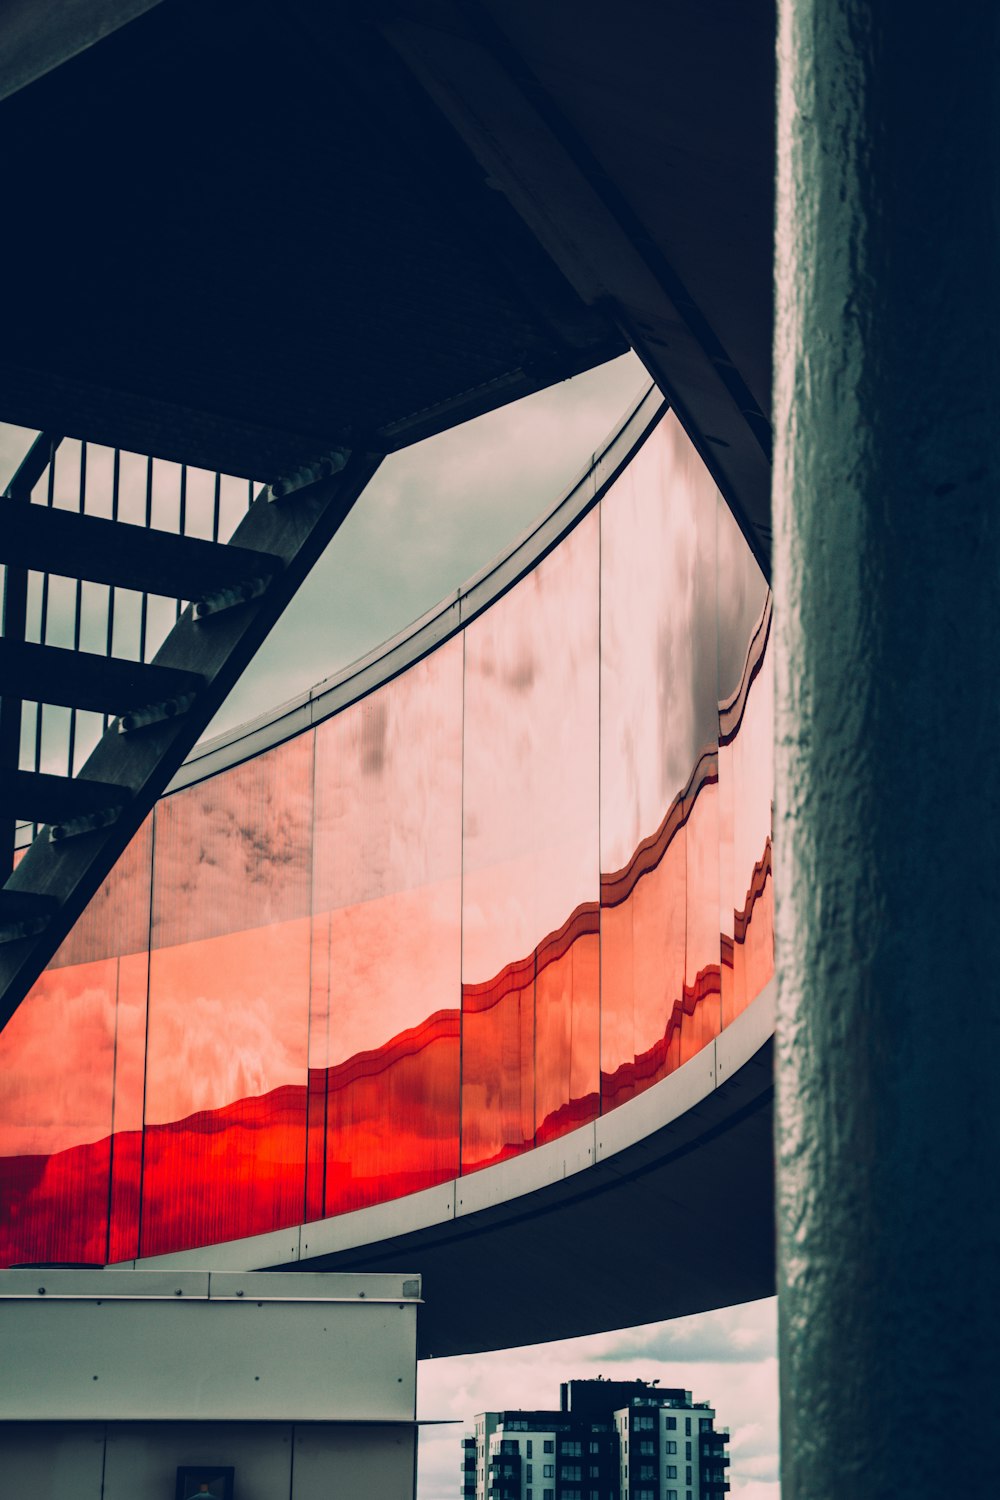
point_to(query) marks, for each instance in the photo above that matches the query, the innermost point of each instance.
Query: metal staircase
(228, 597)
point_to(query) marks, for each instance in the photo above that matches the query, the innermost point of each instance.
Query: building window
(571, 1449)
(671, 1471)
(671, 1424)
(670, 1446)
(687, 1450)
(687, 1474)
(571, 1471)
(529, 1447)
(595, 1447)
(687, 1424)
(646, 1471)
(548, 1471)
(528, 1479)
(671, 1495)
(548, 1495)
(647, 1446)
(549, 1445)
(593, 1472)
(704, 1424)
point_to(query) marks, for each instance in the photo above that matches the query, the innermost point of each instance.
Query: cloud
(432, 517)
(726, 1357)
(728, 1335)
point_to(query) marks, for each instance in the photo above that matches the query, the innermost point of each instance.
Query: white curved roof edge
(599, 1142)
(443, 620)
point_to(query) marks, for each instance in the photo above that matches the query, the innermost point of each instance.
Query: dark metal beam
(80, 679)
(25, 906)
(124, 555)
(36, 797)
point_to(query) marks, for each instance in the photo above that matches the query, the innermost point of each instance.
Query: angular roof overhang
(240, 234)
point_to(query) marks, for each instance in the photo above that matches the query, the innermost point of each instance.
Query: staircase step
(81, 679)
(20, 906)
(128, 556)
(37, 797)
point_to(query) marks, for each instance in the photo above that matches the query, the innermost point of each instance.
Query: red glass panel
(746, 772)
(387, 935)
(498, 1066)
(660, 950)
(749, 763)
(57, 1065)
(319, 1054)
(530, 1050)
(227, 1057)
(702, 1003)
(567, 1026)
(130, 1078)
(63, 1071)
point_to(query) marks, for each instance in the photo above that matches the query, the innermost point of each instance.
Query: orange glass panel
(57, 1065)
(498, 1066)
(387, 935)
(751, 765)
(660, 950)
(530, 1052)
(319, 1053)
(130, 1077)
(227, 1059)
(62, 1073)
(567, 1026)
(746, 772)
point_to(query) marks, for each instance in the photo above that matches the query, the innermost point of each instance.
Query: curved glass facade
(507, 890)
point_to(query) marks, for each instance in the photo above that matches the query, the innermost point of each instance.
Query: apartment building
(609, 1440)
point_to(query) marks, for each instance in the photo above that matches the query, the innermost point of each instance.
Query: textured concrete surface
(888, 611)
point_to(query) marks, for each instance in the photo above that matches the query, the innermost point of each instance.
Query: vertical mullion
(144, 607)
(183, 523)
(15, 615)
(77, 610)
(43, 616)
(110, 638)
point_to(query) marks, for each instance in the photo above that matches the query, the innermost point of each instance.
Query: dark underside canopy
(241, 233)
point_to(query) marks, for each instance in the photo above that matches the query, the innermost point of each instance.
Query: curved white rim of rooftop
(661, 1207)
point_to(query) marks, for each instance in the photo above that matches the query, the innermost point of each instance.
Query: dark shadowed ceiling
(241, 233)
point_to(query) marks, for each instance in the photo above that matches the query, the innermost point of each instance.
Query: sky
(432, 517)
(727, 1357)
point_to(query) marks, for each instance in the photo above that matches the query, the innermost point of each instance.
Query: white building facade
(610, 1440)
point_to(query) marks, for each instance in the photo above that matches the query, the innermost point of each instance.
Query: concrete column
(887, 582)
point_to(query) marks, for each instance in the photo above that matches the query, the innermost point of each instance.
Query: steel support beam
(82, 679)
(36, 797)
(887, 561)
(124, 555)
